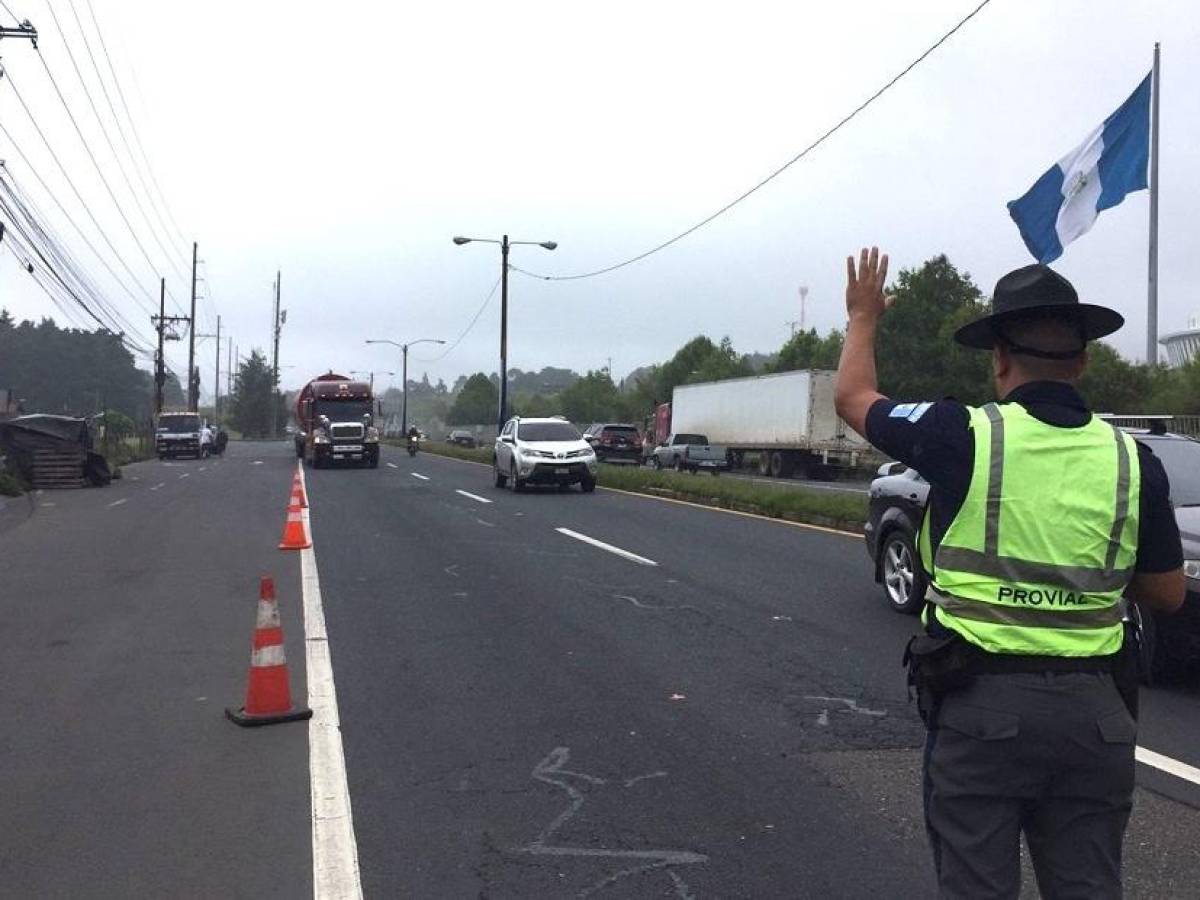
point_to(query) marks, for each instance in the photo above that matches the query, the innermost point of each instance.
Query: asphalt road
(717, 710)
(127, 615)
(734, 713)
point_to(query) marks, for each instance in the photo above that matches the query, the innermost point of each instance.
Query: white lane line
(473, 496)
(118, 502)
(159, 485)
(1168, 765)
(418, 475)
(641, 560)
(393, 466)
(202, 468)
(184, 475)
(335, 851)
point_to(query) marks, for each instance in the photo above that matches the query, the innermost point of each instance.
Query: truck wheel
(518, 485)
(657, 462)
(588, 484)
(501, 478)
(764, 462)
(679, 466)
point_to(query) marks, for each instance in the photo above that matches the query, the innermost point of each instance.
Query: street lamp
(372, 375)
(404, 352)
(504, 243)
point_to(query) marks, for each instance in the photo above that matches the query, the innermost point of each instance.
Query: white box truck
(787, 419)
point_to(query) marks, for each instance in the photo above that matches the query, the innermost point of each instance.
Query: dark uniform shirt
(934, 439)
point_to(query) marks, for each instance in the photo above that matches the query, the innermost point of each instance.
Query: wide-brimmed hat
(1037, 291)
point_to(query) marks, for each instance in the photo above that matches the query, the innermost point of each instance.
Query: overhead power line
(133, 125)
(775, 174)
(465, 331)
(66, 176)
(100, 172)
(104, 128)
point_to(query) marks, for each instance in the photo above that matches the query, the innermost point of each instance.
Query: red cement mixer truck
(337, 422)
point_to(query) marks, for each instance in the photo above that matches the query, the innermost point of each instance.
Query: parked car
(895, 508)
(897, 502)
(462, 439)
(615, 442)
(543, 451)
(690, 453)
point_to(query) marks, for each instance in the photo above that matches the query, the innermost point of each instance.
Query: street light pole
(504, 243)
(503, 413)
(404, 369)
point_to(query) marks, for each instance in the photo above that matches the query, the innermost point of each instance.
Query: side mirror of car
(891, 468)
(507, 439)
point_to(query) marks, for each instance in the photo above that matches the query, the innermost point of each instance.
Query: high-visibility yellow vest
(1038, 556)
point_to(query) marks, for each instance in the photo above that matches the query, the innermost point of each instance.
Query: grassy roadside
(847, 512)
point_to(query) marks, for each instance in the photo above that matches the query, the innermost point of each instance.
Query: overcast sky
(346, 144)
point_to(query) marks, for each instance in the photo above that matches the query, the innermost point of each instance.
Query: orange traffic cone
(295, 534)
(299, 495)
(268, 696)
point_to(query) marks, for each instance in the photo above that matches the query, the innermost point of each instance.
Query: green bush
(11, 485)
(830, 508)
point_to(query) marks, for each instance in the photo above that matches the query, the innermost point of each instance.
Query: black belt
(983, 663)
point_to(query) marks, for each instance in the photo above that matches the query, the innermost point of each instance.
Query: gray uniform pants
(1050, 754)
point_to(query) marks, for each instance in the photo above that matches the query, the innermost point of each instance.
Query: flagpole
(1152, 280)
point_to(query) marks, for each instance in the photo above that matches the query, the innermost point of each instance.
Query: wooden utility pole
(161, 322)
(192, 397)
(275, 360)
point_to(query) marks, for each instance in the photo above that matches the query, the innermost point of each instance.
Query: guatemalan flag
(1096, 175)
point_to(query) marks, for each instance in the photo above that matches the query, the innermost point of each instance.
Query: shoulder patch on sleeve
(910, 411)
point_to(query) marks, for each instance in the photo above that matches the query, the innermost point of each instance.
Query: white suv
(543, 451)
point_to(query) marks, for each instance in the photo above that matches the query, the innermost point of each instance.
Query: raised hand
(864, 287)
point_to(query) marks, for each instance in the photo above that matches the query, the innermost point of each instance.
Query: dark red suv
(615, 442)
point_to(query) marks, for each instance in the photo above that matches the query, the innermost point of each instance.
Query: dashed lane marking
(335, 851)
(419, 475)
(640, 560)
(473, 496)
(393, 466)
(184, 475)
(118, 502)
(159, 485)
(716, 509)
(1168, 765)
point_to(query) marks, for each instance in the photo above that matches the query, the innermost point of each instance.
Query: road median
(846, 512)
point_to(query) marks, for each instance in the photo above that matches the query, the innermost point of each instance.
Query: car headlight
(372, 434)
(1191, 568)
(540, 454)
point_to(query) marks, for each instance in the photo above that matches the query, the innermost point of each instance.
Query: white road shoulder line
(473, 496)
(118, 502)
(641, 560)
(418, 475)
(335, 851)
(1166, 764)
(393, 466)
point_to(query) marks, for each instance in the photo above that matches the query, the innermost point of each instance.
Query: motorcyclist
(414, 439)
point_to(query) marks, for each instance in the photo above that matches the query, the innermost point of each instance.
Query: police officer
(1040, 518)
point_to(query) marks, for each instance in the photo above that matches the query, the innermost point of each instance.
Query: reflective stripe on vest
(1038, 555)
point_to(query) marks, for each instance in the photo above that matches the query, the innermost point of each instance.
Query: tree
(592, 398)
(71, 370)
(476, 403)
(254, 392)
(916, 355)
(805, 350)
